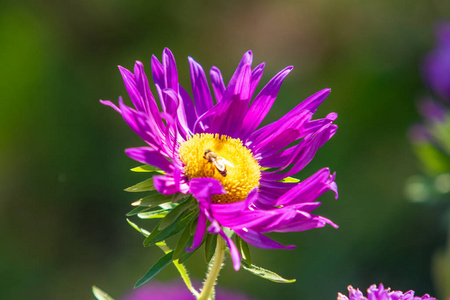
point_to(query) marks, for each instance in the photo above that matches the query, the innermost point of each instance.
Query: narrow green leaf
(210, 246)
(245, 252)
(154, 214)
(161, 235)
(175, 213)
(137, 210)
(144, 186)
(183, 258)
(155, 269)
(99, 294)
(154, 199)
(179, 196)
(194, 226)
(290, 179)
(180, 248)
(146, 168)
(266, 274)
(141, 230)
(243, 249)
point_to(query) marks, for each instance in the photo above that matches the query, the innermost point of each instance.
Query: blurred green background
(63, 170)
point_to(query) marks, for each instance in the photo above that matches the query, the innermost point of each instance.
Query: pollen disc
(242, 170)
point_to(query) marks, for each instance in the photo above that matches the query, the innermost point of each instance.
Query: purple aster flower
(380, 293)
(210, 146)
(436, 66)
(176, 291)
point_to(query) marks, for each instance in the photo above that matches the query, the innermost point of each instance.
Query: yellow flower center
(222, 158)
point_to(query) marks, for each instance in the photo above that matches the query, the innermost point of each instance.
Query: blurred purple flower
(436, 66)
(380, 293)
(214, 151)
(431, 110)
(176, 291)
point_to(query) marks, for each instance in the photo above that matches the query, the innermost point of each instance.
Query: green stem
(219, 255)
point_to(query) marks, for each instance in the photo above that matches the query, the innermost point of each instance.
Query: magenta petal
(157, 72)
(309, 189)
(217, 83)
(110, 104)
(170, 70)
(263, 102)
(203, 188)
(257, 73)
(235, 256)
(165, 184)
(150, 156)
(258, 240)
(202, 94)
(310, 104)
(130, 85)
(189, 109)
(139, 123)
(199, 232)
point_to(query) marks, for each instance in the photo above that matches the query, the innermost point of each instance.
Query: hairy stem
(219, 255)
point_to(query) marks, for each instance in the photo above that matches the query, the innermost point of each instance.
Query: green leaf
(154, 214)
(290, 179)
(137, 210)
(183, 258)
(144, 186)
(155, 269)
(141, 230)
(179, 196)
(147, 168)
(99, 294)
(152, 200)
(180, 248)
(210, 246)
(175, 213)
(194, 226)
(161, 235)
(266, 274)
(243, 249)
